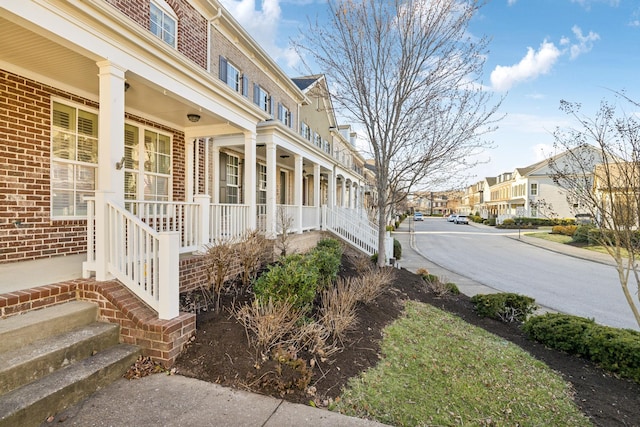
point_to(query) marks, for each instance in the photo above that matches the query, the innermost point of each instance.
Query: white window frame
(235, 84)
(140, 169)
(233, 178)
(263, 99)
(533, 189)
(167, 29)
(78, 167)
(262, 183)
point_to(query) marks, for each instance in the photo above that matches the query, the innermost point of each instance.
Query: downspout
(210, 23)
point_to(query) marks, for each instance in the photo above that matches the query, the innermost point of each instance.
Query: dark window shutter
(280, 112)
(291, 120)
(223, 69)
(223, 178)
(256, 94)
(270, 106)
(245, 86)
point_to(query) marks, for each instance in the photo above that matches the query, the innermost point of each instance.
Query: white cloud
(584, 43)
(531, 66)
(587, 3)
(511, 2)
(263, 26)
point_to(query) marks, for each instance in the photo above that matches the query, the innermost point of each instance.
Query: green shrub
(327, 261)
(508, 222)
(295, 279)
(389, 228)
(430, 278)
(566, 230)
(581, 234)
(490, 221)
(507, 307)
(397, 249)
(452, 288)
(559, 331)
(397, 224)
(616, 350)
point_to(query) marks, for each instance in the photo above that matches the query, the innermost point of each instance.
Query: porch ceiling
(53, 61)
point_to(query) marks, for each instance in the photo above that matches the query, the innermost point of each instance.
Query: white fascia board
(163, 69)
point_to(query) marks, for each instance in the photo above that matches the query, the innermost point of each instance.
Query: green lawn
(437, 369)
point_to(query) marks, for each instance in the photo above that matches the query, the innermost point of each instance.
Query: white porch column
(111, 130)
(297, 191)
(271, 190)
(250, 178)
(331, 183)
(316, 193)
(216, 175)
(343, 184)
(188, 152)
(204, 202)
(110, 187)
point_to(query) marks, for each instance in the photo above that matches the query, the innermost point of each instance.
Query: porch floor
(15, 276)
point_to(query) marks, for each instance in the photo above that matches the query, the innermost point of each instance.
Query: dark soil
(220, 353)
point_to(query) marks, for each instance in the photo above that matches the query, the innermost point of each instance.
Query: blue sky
(541, 52)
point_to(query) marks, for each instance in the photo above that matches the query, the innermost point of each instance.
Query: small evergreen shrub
(559, 331)
(581, 234)
(295, 280)
(327, 257)
(507, 307)
(616, 350)
(490, 221)
(508, 222)
(397, 249)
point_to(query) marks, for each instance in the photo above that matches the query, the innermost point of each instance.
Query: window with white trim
(147, 167)
(261, 98)
(534, 189)
(284, 115)
(232, 76)
(262, 183)
(74, 159)
(233, 178)
(305, 131)
(163, 22)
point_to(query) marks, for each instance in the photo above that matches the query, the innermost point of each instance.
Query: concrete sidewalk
(177, 401)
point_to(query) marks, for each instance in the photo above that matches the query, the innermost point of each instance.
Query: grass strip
(437, 369)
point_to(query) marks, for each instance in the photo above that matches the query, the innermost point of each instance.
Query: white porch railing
(171, 216)
(310, 218)
(354, 228)
(228, 221)
(144, 260)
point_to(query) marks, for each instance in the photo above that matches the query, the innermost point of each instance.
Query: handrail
(354, 230)
(182, 217)
(141, 258)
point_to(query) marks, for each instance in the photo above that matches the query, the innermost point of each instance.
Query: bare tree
(408, 72)
(601, 177)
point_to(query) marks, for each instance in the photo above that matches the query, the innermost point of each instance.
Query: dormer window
(163, 22)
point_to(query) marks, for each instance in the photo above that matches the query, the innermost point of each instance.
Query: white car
(417, 216)
(461, 219)
(451, 218)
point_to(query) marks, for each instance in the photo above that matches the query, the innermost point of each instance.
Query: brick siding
(26, 229)
(192, 27)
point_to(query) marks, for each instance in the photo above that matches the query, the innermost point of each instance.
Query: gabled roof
(305, 82)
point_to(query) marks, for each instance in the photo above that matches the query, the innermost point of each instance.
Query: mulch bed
(220, 353)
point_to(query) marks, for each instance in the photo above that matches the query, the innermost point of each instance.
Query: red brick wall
(26, 228)
(192, 27)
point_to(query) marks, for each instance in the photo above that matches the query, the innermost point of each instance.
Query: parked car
(451, 218)
(417, 216)
(461, 219)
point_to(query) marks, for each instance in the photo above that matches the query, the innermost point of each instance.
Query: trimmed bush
(508, 221)
(295, 280)
(507, 307)
(581, 234)
(559, 331)
(616, 350)
(397, 249)
(566, 230)
(327, 256)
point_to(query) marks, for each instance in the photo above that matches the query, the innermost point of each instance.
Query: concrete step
(23, 329)
(31, 362)
(32, 404)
